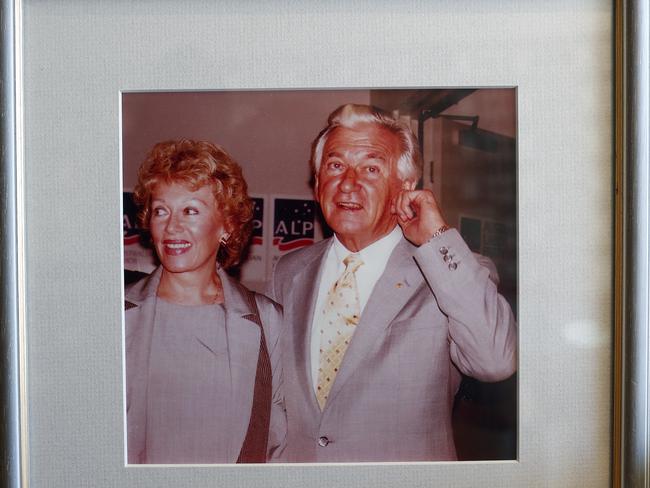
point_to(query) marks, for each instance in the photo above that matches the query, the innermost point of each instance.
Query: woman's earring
(224, 239)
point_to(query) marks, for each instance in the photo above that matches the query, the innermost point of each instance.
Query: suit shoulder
(135, 291)
(266, 303)
(132, 290)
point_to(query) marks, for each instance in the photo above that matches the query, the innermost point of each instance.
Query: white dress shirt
(374, 257)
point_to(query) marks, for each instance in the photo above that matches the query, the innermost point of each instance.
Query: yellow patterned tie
(338, 319)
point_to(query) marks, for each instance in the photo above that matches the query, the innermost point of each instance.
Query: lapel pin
(399, 285)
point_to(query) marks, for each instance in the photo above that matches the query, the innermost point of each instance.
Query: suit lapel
(393, 290)
(304, 288)
(243, 341)
(139, 328)
(140, 303)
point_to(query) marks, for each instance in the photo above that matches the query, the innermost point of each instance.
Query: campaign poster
(294, 225)
(253, 268)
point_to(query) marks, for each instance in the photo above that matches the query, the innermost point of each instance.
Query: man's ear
(316, 189)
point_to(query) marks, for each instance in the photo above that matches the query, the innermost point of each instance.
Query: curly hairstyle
(196, 164)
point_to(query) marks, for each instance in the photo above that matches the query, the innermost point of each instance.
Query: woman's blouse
(188, 374)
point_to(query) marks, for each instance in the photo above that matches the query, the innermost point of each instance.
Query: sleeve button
(453, 266)
(443, 250)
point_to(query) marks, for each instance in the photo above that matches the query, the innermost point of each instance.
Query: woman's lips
(176, 247)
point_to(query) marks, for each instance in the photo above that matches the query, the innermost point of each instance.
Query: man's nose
(349, 181)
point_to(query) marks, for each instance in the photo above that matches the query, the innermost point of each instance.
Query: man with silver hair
(382, 318)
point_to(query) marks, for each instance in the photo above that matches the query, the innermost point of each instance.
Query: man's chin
(348, 228)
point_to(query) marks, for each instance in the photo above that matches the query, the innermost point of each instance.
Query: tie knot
(352, 262)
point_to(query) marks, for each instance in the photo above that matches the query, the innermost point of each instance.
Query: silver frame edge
(10, 476)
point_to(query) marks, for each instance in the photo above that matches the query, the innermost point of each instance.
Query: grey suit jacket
(242, 348)
(424, 323)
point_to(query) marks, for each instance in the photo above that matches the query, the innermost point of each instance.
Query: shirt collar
(374, 254)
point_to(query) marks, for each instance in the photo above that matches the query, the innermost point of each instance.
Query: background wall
(497, 108)
(268, 132)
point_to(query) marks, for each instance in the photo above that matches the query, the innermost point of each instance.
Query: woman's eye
(159, 212)
(191, 211)
(373, 169)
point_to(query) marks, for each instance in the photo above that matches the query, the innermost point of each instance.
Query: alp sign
(293, 223)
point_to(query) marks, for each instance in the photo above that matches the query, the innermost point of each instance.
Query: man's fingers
(403, 206)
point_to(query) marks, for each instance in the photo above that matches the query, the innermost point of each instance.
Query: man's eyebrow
(368, 154)
(375, 155)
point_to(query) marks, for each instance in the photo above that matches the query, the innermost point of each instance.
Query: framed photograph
(466, 139)
(73, 72)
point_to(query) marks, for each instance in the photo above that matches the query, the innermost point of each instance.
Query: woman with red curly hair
(202, 352)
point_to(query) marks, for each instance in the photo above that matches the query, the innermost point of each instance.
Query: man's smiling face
(356, 182)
